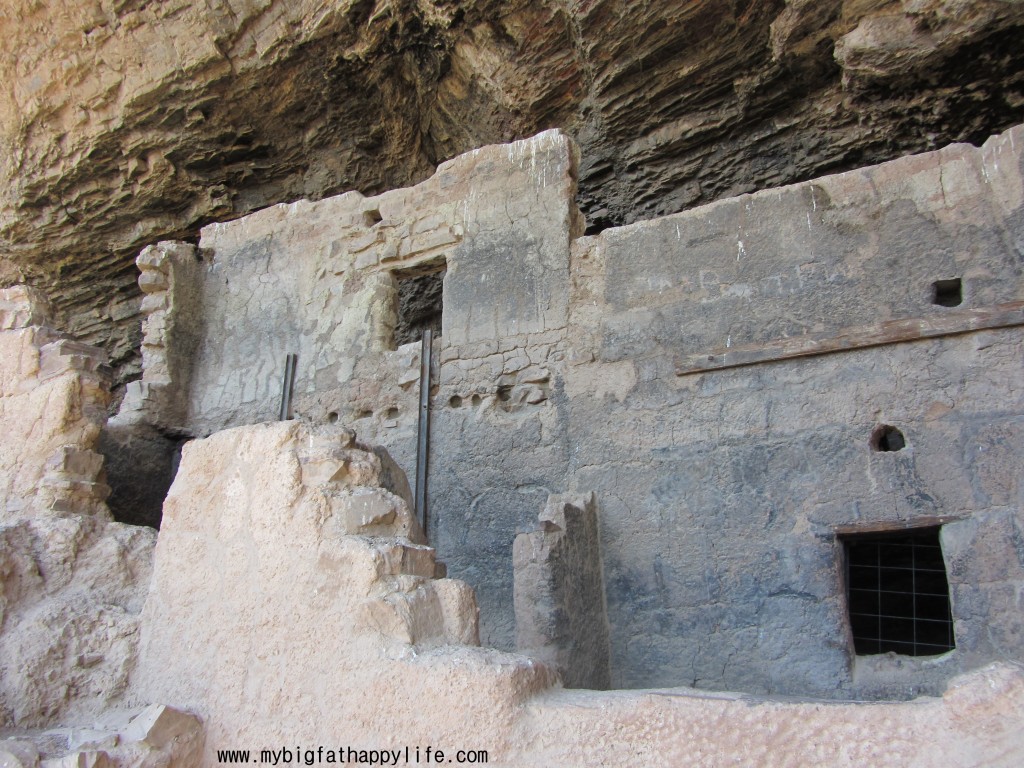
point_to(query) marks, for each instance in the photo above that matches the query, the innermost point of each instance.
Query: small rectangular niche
(897, 593)
(948, 293)
(420, 294)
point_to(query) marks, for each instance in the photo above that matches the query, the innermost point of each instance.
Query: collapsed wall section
(292, 598)
(72, 582)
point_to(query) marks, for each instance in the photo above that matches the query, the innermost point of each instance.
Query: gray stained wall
(713, 377)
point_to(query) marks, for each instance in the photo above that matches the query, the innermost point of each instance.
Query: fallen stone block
(159, 726)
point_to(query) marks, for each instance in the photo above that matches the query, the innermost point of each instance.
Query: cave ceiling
(125, 122)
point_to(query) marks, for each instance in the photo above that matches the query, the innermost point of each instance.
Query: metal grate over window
(898, 594)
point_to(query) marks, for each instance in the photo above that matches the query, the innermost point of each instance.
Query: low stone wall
(559, 593)
(285, 626)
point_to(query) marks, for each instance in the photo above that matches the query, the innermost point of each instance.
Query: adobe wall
(676, 369)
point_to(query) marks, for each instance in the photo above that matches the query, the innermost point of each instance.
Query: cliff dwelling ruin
(585, 444)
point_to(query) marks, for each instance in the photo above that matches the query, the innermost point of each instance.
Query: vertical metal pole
(291, 361)
(423, 440)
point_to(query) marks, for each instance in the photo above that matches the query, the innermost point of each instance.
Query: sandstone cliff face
(127, 121)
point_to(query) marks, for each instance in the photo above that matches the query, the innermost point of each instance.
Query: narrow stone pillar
(142, 441)
(559, 593)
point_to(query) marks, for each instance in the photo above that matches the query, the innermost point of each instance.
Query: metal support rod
(289, 385)
(423, 438)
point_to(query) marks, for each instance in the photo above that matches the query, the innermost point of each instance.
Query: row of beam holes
(945, 293)
(504, 394)
(390, 414)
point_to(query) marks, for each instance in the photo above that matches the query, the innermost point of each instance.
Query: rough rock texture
(325, 609)
(327, 637)
(155, 736)
(71, 581)
(55, 393)
(419, 307)
(678, 369)
(559, 593)
(127, 122)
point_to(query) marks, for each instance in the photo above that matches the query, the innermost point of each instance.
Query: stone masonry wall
(141, 442)
(722, 488)
(317, 279)
(677, 368)
(559, 593)
(291, 609)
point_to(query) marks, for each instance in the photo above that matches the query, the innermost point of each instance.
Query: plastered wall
(677, 369)
(285, 616)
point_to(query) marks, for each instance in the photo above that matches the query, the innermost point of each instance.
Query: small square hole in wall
(948, 293)
(420, 293)
(887, 438)
(897, 593)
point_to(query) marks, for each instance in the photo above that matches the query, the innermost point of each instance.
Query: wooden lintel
(949, 323)
(868, 528)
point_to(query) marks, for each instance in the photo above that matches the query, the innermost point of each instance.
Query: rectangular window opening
(897, 593)
(420, 293)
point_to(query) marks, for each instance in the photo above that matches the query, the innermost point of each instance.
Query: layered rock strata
(125, 123)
